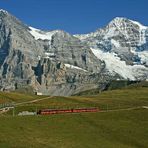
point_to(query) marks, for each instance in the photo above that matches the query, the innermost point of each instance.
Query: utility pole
(13, 111)
(36, 110)
(107, 107)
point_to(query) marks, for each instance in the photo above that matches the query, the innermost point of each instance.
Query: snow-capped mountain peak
(118, 21)
(4, 11)
(123, 46)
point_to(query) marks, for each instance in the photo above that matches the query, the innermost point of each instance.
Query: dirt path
(122, 109)
(32, 101)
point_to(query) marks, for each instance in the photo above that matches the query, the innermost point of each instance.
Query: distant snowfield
(115, 65)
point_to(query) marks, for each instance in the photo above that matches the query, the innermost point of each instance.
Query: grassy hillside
(6, 97)
(111, 129)
(124, 129)
(114, 99)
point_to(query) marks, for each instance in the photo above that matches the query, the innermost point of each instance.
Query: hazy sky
(75, 16)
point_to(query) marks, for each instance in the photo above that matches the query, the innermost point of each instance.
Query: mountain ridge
(58, 63)
(58, 68)
(124, 40)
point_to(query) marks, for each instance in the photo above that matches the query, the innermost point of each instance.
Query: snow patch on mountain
(143, 55)
(74, 67)
(82, 36)
(115, 65)
(38, 34)
(115, 43)
(111, 32)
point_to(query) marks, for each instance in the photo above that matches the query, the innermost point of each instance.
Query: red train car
(85, 110)
(60, 111)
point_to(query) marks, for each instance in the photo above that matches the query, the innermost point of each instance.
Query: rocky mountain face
(57, 63)
(123, 46)
(53, 62)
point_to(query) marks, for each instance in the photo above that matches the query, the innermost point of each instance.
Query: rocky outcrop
(53, 62)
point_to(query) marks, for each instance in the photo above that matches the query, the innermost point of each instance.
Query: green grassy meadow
(9, 97)
(113, 128)
(124, 129)
(108, 100)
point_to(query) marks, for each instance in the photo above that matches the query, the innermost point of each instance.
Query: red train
(60, 111)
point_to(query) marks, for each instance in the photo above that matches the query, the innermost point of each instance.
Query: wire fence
(4, 105)
(27, 109)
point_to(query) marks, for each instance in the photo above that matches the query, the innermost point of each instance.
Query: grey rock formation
(53, 62)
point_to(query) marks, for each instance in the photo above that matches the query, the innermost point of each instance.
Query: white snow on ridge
(85, 36)
(38, 34)
(142, 31)
(139, 24)
(115, 65)
(1, 10)
(74, 67)
(81, 37)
